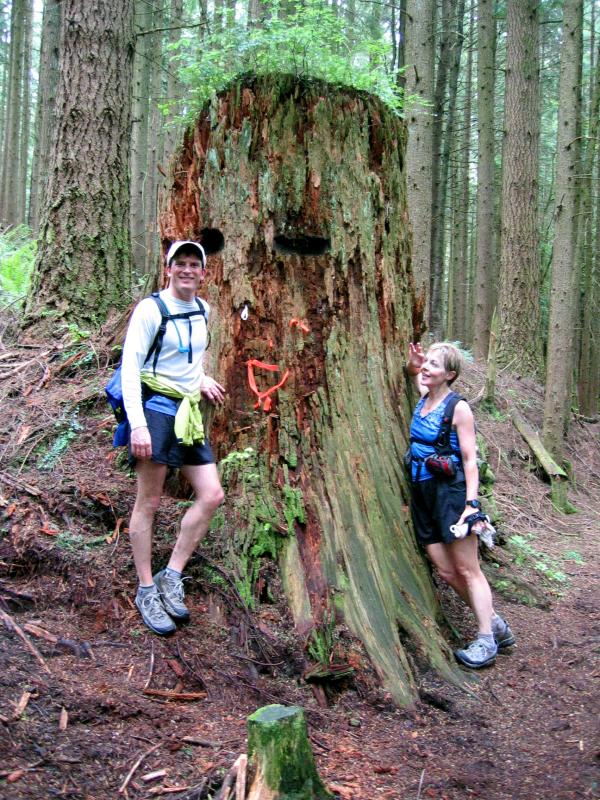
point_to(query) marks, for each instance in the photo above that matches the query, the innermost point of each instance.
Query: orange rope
(264, 398)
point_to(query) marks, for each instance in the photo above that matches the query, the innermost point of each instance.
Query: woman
(438, 502)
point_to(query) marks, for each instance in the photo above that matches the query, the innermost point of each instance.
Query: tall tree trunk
(306, 184)
(144, 65)
(83, 268)
(155, 145)
(560, 363)
(45, 120)
(419, 153)
(11, 189)
(174, 88)
(439, 101)
(462, 285)
(587, 256)
(439, 230)
(25, 115)
(519, 299)
(486, 281)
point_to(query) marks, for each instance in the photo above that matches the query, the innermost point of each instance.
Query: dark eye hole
(212, 240)
(302, 245)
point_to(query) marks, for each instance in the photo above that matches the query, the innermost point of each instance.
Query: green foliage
(75, 541)
(67, 430)
(321, 643)
(309, 40)
(17, 257)
(526, 555)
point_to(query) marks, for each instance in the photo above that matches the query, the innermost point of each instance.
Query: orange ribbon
(264, 398)
(294, 322)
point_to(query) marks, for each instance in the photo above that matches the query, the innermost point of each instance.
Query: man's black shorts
(166, 449)
(437, 504)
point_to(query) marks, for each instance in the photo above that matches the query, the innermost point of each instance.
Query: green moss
(279, 749)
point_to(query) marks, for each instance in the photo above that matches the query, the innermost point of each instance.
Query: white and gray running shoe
(153, 613)
(172, 594)
(478, 654)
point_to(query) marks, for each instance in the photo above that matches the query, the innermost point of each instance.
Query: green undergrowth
(531, 576)
(17, 257)
(261, 515)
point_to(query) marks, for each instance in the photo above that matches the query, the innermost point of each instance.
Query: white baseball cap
(176, 247)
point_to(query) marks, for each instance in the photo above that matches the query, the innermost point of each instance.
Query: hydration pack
(440, 464)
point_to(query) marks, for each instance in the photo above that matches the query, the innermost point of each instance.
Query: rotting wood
(281, 757)
(173, 695)
(557, 476)
(278, 159)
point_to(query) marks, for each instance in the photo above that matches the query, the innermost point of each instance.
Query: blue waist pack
(114, 389)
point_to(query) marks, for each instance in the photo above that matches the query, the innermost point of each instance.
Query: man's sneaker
(502, 634)
(478, 654)
(172, 594)
(153, 613)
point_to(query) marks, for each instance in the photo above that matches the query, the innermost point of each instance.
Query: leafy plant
(68, 430)
(308, 39)
(526, 554)
(17, 257)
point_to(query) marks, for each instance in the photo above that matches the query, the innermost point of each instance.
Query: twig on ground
(12, 626)
(131, 772)
(151, 672)
(420, 785)
(198, 675)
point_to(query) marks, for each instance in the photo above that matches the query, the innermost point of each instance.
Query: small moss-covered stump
(281, 757)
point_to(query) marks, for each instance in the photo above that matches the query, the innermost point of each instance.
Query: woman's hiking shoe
(478, 654)
(172, 594)
(153, 613)
(502, 634)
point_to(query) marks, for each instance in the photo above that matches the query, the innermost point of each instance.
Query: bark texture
(306, 184)
(560, 363)
(83, 264)
(519, 298)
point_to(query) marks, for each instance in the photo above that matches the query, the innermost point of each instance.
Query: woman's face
(433, 371)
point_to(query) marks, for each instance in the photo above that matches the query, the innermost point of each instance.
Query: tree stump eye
(302, 245)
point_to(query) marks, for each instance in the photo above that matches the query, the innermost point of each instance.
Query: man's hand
(141, 443)
(212, 390)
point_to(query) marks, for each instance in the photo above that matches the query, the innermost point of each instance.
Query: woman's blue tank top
(428, 429)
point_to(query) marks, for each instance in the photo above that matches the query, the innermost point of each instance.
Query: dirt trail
(527, 729)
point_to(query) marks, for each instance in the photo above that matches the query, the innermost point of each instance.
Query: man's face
(185, 274)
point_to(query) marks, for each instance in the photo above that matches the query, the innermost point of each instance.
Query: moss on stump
(281, 757)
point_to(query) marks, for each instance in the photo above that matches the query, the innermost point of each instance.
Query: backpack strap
(442, 443)
(156, 345)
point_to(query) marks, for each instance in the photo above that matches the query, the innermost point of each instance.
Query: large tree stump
(281, 756)
(305, 184)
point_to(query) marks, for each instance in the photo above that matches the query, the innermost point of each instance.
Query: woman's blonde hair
(452, 358)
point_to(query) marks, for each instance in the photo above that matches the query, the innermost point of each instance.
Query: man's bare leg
(150, 482)
(208, 496)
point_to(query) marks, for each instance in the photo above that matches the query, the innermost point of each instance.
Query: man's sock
(145, 590)
(488, 639)
(172, 573)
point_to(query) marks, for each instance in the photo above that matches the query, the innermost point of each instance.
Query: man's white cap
(176, 247)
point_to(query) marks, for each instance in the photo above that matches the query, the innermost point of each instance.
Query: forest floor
(77, 712)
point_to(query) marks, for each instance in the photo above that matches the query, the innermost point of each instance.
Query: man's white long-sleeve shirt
(173, 361)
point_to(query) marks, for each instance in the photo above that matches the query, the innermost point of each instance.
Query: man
(161, 396)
